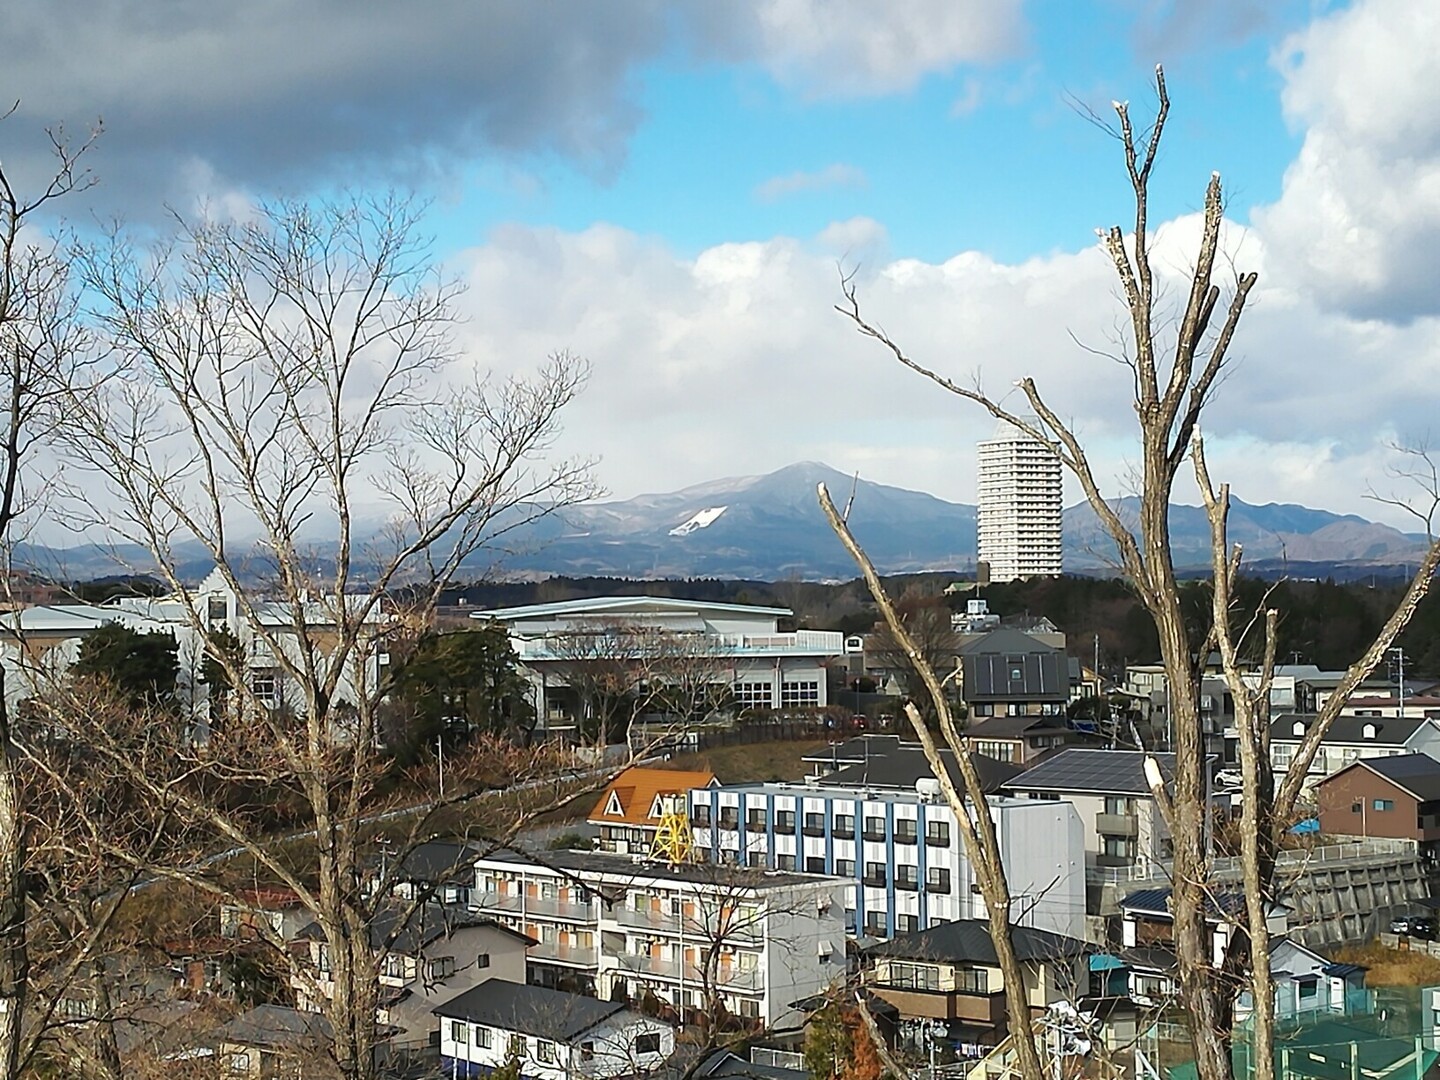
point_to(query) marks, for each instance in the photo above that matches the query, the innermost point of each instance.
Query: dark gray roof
(1016, 727)
(1227, 901)
(1419, 774)
(428, 923)
(439, 862)
(275, 1026)
(1016, 675)
(858, 748)
(1103, 771)
(901, 769)
(578, 864)
(968, 942)
(1389, 730)
(725, 1065)
(1006, 640)
(530, 1010)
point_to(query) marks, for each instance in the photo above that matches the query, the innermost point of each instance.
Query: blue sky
(666, 188)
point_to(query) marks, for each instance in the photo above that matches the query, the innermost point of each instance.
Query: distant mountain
(770, 527)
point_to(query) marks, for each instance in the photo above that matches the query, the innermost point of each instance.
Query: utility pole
(1400, 666)
(440, 761)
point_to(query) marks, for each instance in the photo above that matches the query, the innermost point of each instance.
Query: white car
(1229, 778)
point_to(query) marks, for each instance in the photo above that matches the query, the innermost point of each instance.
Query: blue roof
(1105, 962)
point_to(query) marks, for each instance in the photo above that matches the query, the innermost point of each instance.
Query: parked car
(1416, 926)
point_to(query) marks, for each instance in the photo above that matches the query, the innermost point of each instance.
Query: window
(875, 923)
(729, 817)
(844, 827)
(649, 1043)
(700, 815)
(784, 862)
(755, 820)
(544, 1052)
(459, 1032)
(1118, 804)
(972, 981)
(482, 961)
(937, 833)
(754, 695)
(262, 685)
(845, 867)
(814, 824)
(516, 1047)
(442, 967)
(904, 924)
(875, 874)
(785, 820)
(1383, 804)
(874, 828)
(1309, 989)
(937, 879)
(815, 864)
(805, 692)
(1357, 807)
(587, 1051)
(906, 976)
(218, 610)
(905, 831)
(999, 749)
(749, 1008)
(238, 1063)
(755, 859)
(1281, 755)
(906, 877)
(482, 1037)
(393, 966)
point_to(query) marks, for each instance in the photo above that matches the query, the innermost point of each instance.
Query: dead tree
(1174, 368)
(293, 377)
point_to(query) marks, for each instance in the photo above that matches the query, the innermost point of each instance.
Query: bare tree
(293, 377)
(1174, 368)
(928, 622)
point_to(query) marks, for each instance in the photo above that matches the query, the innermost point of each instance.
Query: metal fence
(1291, 858)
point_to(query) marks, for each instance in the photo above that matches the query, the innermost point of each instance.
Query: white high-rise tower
(1020, 506)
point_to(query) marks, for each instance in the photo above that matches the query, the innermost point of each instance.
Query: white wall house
(764, 668)
(619, 925)
(899, 852)
(1351, 738)
(552, 1034)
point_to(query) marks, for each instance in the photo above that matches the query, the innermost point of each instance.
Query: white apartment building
(737, 646)
(1020, 504)
(613, 924)
(899, 851)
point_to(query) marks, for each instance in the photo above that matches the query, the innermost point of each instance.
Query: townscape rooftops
(623, 869)
(1006, 639)
(275, 1026)
(1015, 727)
(619, 605)
(631, 797)
(968, 941)
(529, 1010)
(1419, 774)
(1098, 770)
(1389, 730)
(439, 862)
(1226, 902)
(425, 925)
(902, 769)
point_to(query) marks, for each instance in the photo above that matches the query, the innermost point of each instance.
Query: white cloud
(735, 362)
(1358, 221)
(851, 48)
(831, 176)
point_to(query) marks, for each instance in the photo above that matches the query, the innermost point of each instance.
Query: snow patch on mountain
(703, 519)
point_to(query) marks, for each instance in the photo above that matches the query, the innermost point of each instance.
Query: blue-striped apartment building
(901, 849)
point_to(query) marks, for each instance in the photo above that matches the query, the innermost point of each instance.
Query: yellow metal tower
(674, 843)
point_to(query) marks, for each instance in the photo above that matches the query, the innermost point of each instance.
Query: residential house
(1009, 673)
(629, 810)
(1306, 982)
(1023, 740)
(273, 914)
(736, 646)
(1389, 705)
(1121, 824)
(1395, 797)
(1351, 739)
(434, 955)
(553, 1035)
(947, 984)
(883, 827)
(1147, 922)
(619, 925)
(443, 869)
(270, 1042)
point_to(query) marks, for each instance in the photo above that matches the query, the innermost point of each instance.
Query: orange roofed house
(629, 811)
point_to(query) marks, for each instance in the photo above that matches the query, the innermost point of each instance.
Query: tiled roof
(635, 789)
(529, 1010)
(968, 941)
(1419, 774)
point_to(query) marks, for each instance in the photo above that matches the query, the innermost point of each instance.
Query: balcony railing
(874, 881)
(534, 905)
(728, 976)
(934, 840)
(557, 953)
(910, 884)
(699, 926)
(906, 836)
(814, 830)
(843, 832)
(1117, 824)
(875, 835)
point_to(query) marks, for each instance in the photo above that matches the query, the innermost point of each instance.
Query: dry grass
(1392, 967)
(752, 763)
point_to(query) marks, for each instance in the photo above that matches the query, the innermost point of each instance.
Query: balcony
(907, 882)
(555, 953)
(729, 821)
(875, 836)
(906, 836)
(1117, 824)
(538, 907)
(987, 1009)
(873, 881)
(937, 840)
(755, 823)
(843, 832)
(698, 926)
(940, 886)
(814, 829)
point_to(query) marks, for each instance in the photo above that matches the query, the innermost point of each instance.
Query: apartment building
(1351, 738)
(1020, 505)
(616, 925)
(1121, 824)
(735, 646)
(897, 846)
